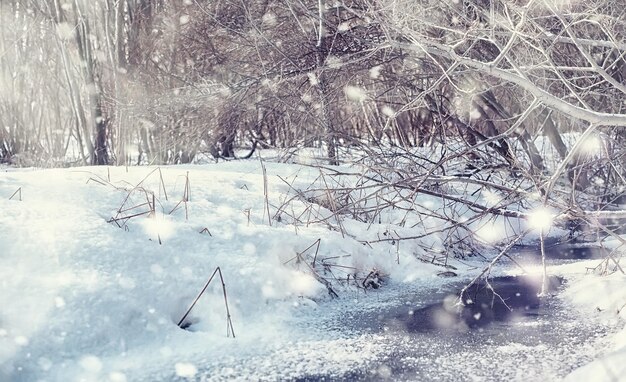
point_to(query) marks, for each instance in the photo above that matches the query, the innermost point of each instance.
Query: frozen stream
(429, 340)
(418, 334)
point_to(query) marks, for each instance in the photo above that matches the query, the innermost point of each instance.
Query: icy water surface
(504, 331)
(536, 339)
(558, 253)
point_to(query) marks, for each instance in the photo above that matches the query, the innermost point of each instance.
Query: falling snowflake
(375, 72)
(185, 370)
(355, 93)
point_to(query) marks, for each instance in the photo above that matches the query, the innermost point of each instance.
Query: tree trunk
(551, 131)
(325, 118)
(99, 154)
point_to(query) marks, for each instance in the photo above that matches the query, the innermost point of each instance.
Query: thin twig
(229, 323)
(19, 192)
(266, 193)
(163, 184)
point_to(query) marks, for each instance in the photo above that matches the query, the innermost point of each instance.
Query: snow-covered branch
(446, 52)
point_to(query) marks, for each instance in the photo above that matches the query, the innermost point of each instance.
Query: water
(506, 299)
(557, 252)
(502, 331)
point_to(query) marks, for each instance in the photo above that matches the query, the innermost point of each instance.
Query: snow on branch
(550, 100)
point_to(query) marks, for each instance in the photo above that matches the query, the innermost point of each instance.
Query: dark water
(498, 300)
(557, 251)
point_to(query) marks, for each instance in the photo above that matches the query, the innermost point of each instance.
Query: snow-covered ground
(605, 298)
(87, 298)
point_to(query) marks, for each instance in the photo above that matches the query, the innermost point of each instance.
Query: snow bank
(604, 298)
(85, 299)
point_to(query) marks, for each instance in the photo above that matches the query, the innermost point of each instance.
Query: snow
(355, 93)
(184, 19)
(83, 299)
(185, 369)
(605, 298)
(313, 80)
(592, 145)
(375, 72)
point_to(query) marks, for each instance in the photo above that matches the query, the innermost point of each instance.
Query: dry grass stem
(17, 192)
(229, 322)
